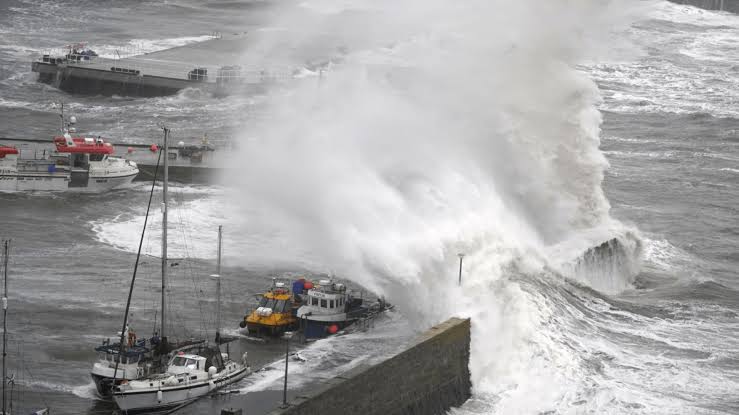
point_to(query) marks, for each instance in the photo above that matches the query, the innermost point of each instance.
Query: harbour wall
(430, 376)
(725, 5)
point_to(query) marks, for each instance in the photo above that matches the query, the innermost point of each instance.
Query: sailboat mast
(164, 232)
(6, 253)
(218, 285)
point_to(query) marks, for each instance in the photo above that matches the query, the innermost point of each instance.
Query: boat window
(280, 308)
(263, 302)
(192, 364)
(323, 303)
(96, 157)
(313, 301)
(331, 303)
(179, 361)
(271, 303)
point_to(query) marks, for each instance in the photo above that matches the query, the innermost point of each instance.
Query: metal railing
(133, 63)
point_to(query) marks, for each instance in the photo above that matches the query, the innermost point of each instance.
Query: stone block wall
(428, 377)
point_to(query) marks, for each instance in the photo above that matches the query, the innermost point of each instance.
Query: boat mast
(6, 253)
(164, 233)
(218, 286)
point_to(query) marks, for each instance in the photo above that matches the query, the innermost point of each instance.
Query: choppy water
(662, 341)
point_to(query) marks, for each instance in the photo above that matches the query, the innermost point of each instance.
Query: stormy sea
(583, 155)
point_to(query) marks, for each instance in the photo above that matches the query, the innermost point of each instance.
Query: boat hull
(318, 329)
(148, 399)
(62, 183)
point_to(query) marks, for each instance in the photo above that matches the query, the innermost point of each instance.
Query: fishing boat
(77, 164)
(329, 307)
(188, 376)
(276, 311)
(8, 409)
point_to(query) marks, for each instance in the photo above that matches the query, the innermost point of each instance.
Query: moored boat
(188, 377)
(77, 164)
(276, 312)
(329, 307)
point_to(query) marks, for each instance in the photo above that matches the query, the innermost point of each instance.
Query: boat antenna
(6, 253)
(135, 268)
(162, 333)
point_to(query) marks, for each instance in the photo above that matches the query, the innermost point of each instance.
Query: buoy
(153, 148)
(212, 372)
(308, 285)
(130, 150)
(159, 396)
(332, 329)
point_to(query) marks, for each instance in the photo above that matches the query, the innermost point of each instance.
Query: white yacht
(188, 377)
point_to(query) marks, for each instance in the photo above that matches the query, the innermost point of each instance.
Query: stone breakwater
(430, 376)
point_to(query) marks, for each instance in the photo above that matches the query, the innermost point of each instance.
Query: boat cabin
(186, 363)
(327, 297)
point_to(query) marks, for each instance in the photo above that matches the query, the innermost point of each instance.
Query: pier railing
(133, 60)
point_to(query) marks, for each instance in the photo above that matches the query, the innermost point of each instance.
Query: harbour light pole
(461, 256)
(287, 336)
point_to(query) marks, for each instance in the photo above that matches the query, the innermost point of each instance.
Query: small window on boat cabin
(330, 303)
(271, 303)
(313, 301)
(280, 307)
(263, 302)
(324, 303)
(97, 157)
(179, 361)
(192, 364)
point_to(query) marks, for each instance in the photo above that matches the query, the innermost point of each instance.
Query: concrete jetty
(213, 65)
(430, 376)
(724, 5)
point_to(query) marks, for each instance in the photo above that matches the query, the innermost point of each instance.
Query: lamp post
(460, 255)
(287, 336)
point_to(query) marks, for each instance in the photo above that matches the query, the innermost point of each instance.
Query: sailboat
(188, 376)
(8, 403)
(132, 358)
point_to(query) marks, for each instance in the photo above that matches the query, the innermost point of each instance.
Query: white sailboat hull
(150, 398)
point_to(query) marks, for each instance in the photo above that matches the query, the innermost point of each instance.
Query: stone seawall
(726, 5)
(428, 377)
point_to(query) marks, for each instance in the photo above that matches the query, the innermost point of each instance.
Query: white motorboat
(77, 164)
(188, 377)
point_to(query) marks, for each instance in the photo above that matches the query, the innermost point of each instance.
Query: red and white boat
(77, 164)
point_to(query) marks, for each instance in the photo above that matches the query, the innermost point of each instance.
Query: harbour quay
(213, 65)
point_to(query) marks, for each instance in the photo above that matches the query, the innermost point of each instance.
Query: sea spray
(435, 128)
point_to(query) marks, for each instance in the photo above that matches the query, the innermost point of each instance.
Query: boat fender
(242, 324)
(212, 372)
(211, 385)
(243, 358)
(159, 397)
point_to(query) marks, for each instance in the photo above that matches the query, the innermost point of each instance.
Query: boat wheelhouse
(328, 307)
(276, 311)
(113, 367)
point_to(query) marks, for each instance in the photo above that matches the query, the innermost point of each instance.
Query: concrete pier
(428, 377)
(725, 5)
(213, 65)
